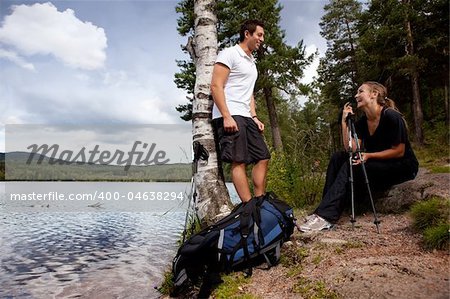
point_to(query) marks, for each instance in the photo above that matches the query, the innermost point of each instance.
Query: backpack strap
(244, 226)
(275, 256)
(258, 234)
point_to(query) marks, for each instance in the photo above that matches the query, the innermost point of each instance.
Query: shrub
(167, 284)
(431, 218)
(427, 213)
(437, 236)
(297, 180)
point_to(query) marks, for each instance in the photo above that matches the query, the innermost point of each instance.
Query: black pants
(382, 174)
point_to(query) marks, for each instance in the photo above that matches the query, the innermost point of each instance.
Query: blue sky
(105, 62)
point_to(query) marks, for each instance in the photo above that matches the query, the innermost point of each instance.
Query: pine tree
(339, 69)
(387, 39)
(280, 66)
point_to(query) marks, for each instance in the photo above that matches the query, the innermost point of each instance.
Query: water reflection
(44, 254)
(53, 252)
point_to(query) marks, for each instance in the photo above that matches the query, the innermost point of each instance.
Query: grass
(440, 169)
(437, 237)
(426, 213)
(293, 257)
(435, 155)
(313, 289)
(232, 287)
(317, 259)
(431, 218)
(167, 284)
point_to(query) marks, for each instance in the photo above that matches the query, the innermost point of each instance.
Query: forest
(401, 44)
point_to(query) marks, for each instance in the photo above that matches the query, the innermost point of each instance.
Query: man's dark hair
(250, 26)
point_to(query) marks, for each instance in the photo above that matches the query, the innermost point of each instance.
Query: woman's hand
(364, 158)
(348, 110)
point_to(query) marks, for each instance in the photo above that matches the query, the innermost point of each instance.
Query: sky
(106, 62)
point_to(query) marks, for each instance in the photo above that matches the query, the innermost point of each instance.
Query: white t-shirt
(241, 81)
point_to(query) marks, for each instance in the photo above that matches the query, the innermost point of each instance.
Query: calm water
(91, 248)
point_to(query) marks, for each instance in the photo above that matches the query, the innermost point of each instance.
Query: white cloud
(56, 95)
(311, 70)
(12, 56)
(42, 29)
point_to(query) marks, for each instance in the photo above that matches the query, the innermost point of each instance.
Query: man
(238, 128)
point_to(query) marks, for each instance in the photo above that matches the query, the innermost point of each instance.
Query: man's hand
(259, 124)
(230, 125)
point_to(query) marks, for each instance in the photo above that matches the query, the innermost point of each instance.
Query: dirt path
(359, 263)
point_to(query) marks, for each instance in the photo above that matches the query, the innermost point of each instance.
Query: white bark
(213, 201)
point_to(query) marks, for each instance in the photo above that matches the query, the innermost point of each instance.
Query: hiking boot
(315, 223)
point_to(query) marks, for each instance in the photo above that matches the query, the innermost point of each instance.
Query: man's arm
(253, 114)
(219, 78)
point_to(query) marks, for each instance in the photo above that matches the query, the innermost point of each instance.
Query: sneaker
(308, 218)
(315, 223)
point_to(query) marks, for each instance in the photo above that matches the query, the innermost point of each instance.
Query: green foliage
(437, 237)
(342, 248)
(2, 171)
(230, 287)
(431, 217)
(427, 213)
(18, 169)
(167, 285)
(292, 258)
(373, 44)
(297, 175)
(338, 70)
(186, 20)
(185, 79)
(313, 289)
(293, 180)
(440, 169)
(193, 226)
(317, 259)
(436, 154)
(280, 66)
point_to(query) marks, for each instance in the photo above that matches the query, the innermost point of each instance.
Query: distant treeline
(16, 168)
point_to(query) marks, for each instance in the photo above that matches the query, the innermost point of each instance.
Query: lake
(57, 240)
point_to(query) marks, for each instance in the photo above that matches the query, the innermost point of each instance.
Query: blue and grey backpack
(251, 234)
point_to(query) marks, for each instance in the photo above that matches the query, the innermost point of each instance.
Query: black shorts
(244, 146)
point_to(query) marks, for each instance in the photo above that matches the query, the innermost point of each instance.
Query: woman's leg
(335, 189)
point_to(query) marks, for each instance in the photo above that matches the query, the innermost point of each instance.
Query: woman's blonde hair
(382, 98)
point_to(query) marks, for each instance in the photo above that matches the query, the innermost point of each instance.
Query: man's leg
(259, 174)
(239, 177)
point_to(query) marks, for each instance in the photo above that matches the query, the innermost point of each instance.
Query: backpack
(252, 233)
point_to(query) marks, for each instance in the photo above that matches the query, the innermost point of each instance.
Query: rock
(400, 197)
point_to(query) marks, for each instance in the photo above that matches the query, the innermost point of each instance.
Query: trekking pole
(366, 178)
(350, 158)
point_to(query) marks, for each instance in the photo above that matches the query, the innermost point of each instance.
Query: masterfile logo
(95, 156)
(109, 153)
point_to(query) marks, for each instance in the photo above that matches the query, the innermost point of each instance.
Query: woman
(388, 157)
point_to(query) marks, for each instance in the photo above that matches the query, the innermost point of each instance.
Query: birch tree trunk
(213, 201)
